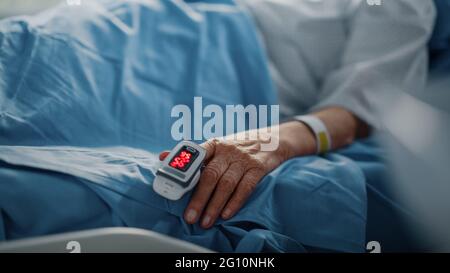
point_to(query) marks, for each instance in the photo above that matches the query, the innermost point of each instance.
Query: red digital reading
(181, 160)
(184, 158)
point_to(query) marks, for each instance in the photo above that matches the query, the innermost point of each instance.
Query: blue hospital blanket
(85, 100)
(312, 201)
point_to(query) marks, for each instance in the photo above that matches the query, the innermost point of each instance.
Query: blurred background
(20, 7)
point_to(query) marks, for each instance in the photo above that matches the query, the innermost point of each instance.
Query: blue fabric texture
(84, 93)
(312, 201)
(115, 69)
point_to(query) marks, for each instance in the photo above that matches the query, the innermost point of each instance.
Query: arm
(343, 126)
(386, 53)
(234, 167)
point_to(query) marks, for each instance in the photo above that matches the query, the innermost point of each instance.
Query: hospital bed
(114, 239)
(110, 240)
(133, 240)
(103, 240)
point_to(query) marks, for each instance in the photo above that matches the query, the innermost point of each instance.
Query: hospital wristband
(320, 131)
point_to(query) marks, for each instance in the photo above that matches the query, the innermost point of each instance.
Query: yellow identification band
(324, 145)
(323, 139)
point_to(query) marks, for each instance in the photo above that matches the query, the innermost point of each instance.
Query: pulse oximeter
(180, 170)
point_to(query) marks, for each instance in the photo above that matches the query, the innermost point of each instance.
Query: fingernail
(206, 221)
(226, 214)
(190, 215)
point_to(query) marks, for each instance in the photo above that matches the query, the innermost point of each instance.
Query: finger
(208, 181)
(243, 191)
(224, 189)
(210, 147)
(163, 155)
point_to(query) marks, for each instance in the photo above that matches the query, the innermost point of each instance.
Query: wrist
(297, 139)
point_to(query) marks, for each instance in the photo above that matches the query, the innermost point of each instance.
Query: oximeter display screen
(184, 158)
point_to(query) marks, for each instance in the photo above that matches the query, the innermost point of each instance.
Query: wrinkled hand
(233, 170)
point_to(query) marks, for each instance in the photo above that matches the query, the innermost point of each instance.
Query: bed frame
(103, 240)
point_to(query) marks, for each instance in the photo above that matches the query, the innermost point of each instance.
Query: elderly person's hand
(234, 167)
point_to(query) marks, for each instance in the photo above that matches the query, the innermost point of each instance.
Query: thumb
(210, 147)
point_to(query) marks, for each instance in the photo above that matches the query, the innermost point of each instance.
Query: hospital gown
(345, 52)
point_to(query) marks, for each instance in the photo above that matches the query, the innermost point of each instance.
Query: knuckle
(213, 166)
(249, 186)
(212, 142)
(246, 157)
(210, 145)
(225, 145)
(254, 148)
(228, 184)
(215, 141)
(257, 166)
(210, 174)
